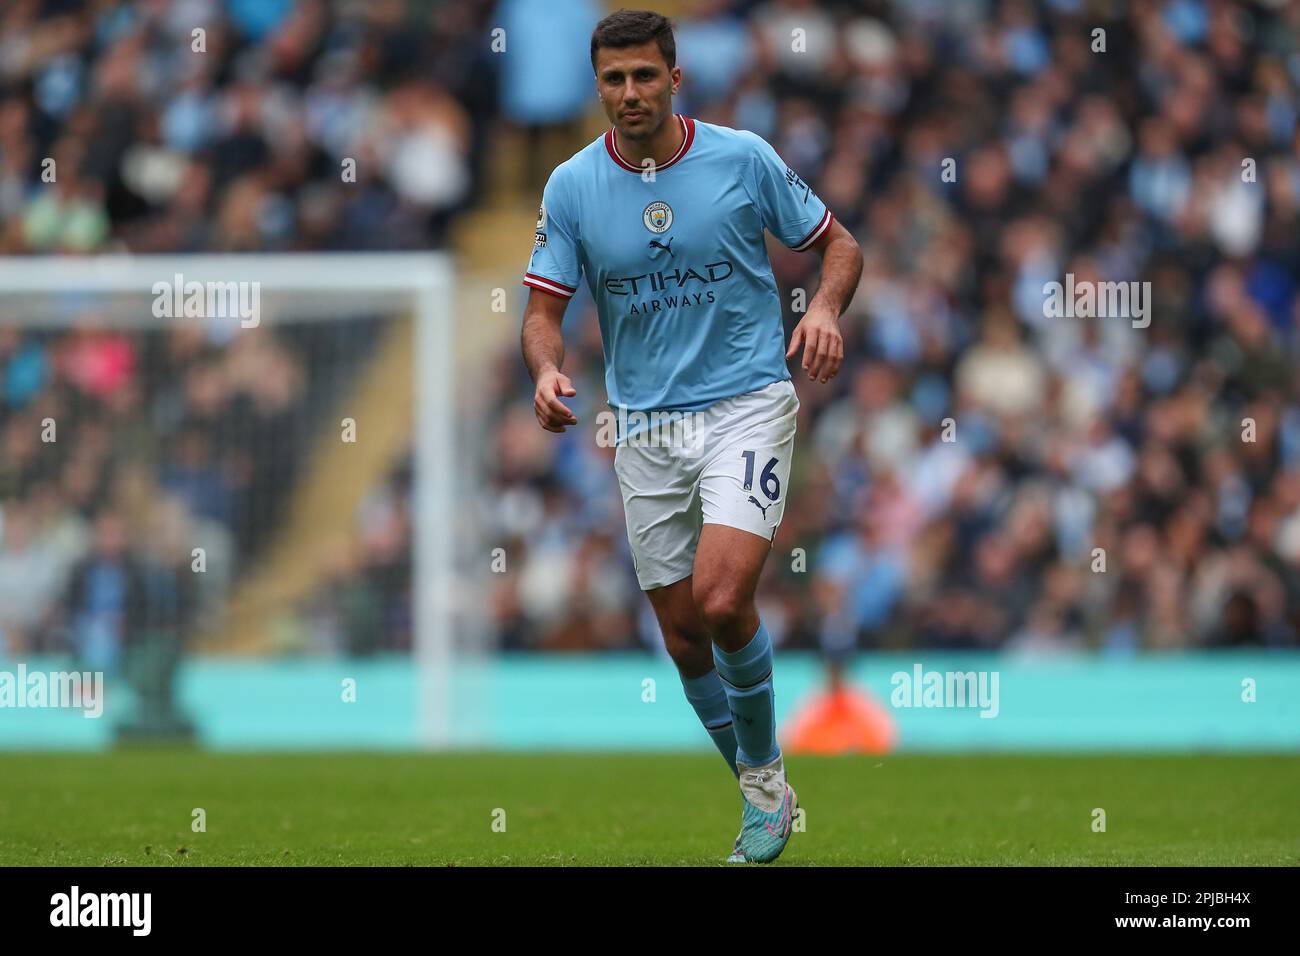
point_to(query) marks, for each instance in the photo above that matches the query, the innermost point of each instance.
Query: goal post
(144, 292)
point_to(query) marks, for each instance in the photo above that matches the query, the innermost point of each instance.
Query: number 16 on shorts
(768, 481)
(761, 489)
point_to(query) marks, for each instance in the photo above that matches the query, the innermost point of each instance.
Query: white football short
(728, 464)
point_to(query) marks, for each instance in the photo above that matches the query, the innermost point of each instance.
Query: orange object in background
(840, 720)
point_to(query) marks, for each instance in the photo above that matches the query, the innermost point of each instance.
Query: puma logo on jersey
(761, 508)
(655, 243)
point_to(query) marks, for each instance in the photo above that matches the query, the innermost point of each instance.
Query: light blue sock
(747, 678)
(710, 702)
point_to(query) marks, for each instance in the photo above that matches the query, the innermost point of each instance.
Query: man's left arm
(819, 329)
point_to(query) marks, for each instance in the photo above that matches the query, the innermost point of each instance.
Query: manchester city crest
(658, 217)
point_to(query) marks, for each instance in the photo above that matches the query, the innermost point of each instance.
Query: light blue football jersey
(689, 310)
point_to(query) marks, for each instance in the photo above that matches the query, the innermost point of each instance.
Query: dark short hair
(632, 28)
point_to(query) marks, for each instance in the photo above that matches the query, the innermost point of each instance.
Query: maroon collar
(688, 136)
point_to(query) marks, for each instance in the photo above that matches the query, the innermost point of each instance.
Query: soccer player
(665, 216)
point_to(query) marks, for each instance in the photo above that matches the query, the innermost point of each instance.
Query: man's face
(636, 88)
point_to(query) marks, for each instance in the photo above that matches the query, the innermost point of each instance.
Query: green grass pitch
(135, 807)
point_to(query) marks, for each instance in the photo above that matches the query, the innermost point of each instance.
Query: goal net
(242, 457)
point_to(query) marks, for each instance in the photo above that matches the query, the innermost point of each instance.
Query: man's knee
(723, 608)
(690, 648)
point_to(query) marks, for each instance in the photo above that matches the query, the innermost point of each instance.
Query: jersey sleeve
(791, 211)
(555, 266)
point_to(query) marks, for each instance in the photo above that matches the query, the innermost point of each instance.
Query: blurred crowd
(237, 125)
(208, 125)
(982, 475)
(121, 450)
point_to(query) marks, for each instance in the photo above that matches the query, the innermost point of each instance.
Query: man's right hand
(553, 414)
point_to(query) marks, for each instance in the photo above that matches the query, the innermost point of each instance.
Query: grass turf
(134, 807)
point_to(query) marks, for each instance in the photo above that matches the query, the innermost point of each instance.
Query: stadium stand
(1073, 434)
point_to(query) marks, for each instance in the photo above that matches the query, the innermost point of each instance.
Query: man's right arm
(543, 347)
